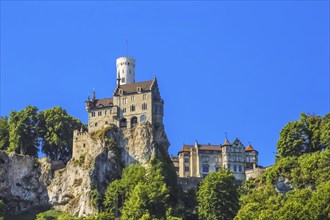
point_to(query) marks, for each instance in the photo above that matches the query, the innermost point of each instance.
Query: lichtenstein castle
(132, 102)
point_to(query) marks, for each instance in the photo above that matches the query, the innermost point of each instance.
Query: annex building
(196, 161)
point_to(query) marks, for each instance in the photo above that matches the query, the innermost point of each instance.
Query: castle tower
(125, 70)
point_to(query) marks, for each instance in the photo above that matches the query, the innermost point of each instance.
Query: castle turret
(125, 70)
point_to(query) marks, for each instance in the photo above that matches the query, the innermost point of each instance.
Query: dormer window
(121, 91)
(138, 89)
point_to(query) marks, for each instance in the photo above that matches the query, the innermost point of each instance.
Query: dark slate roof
(209, 147)
(101, 103)
(132, 87)
(186, 148)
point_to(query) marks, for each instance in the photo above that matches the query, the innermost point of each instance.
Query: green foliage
(49, 215)
(309, 134)
(140, 193)
(23, 131)
(4, 133)
(81, 160)
(149, 196)
(217, 196)
(1, 207)
(56, 132)
(309, 175)
(119, 190)
(96, 199)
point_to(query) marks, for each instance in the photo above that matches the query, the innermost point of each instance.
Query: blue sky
(244, 67)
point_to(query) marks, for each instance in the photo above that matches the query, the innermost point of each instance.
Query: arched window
(143, 118)
(123, 123)
(133, 122)
(132, 108)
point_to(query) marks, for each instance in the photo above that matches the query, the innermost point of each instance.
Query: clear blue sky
(246, 68)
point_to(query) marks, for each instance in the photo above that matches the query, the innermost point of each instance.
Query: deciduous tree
(4, 133)
(308, 134)
(217, 196)
(56, 133)
(23, 131)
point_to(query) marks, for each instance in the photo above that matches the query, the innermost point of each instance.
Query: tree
(119, 190)
(4, 133)
(149, 197)
(56, 133)
(309, 134)
(217, 196)
(309, 198)
(23, 131)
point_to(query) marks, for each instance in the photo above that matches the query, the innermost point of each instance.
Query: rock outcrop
(26, 182)
(73, 187)
(23, 181)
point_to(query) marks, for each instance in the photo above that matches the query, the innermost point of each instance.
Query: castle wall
(99, 117)
(212, 161)
(142, 103)
(81, 144)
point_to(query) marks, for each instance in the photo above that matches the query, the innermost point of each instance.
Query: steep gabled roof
(101, 103)
(186, 148)
(249, 148)
(132, 87)
(226, 143)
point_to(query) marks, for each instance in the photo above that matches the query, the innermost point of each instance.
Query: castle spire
(93, 95)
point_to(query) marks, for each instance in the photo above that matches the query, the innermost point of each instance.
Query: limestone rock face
(26, 182)
(283, 185)
(71, 188)
(143, 143)
(22, 182)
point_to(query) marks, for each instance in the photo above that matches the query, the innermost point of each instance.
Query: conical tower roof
(226, 142)
(249, 148)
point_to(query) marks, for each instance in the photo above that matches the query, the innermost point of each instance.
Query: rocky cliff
(23, 181)
(26, 182)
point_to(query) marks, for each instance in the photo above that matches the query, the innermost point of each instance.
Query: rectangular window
(144, 106)
(186, 160)
(132, 98)
(105, 112)
(217, 169)
(240, 168)
(205, 169)
(205, 159)
(235, 168)
(186, 169)
(93, 114)
(144, 96)
(99, 113)
(124, 110)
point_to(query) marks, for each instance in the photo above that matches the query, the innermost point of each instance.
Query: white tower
(125, 70)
